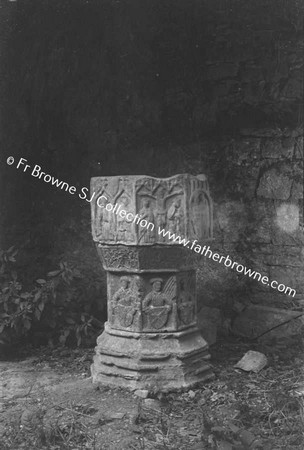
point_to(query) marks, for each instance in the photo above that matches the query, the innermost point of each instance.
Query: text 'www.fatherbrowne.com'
(207, 252)
(37, 172)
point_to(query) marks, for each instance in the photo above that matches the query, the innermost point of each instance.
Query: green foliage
(54, 304)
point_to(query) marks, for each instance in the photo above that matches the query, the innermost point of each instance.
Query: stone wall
(258, 210)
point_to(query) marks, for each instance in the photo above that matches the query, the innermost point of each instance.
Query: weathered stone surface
(252, 362)
(275, 184)
(142, 393)
(297, 191)
(286, 229)
(278, 148)
(294, 327)
(131, 210)
(287, 216)
(153, 361)
(260, 220)
(146, 303)
(156, 258)
(151, 340)
(257, 320)
(289, 276)
(288, 147)
(247, 150)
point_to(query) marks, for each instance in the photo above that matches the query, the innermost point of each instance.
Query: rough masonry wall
(258, 208)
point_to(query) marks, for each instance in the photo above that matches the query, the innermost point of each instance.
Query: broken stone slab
(252, 362)
(191, 394)
(142, 393)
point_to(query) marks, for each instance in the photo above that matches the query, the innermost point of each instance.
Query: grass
(236, 411)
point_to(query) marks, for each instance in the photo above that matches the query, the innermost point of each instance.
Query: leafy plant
(54, 304)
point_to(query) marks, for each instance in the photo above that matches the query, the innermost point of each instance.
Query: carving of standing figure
(146, 234)
(175, 217)
(124, 232)
(161, 212)
(104, 221)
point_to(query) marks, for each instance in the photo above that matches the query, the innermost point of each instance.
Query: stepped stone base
(153, 361)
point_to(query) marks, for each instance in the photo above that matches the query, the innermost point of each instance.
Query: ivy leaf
(54, 273)
(4, 316)
(37, 296)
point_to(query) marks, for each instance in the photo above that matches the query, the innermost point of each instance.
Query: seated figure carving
(124, 303)
(157, 305)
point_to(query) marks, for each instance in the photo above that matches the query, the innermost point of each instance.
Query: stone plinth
(151, 340)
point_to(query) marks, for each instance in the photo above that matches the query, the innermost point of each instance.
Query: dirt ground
(48, 402)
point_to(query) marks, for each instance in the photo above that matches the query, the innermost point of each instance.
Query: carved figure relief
(175, 217)
(146, 234)
(104, 220)
(124, 226)
(161, 212)
(124, 303)
(108, 225)
(180, 204)
(163, 206)
(158, 304)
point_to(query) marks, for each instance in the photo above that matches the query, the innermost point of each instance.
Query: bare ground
(48, 402)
